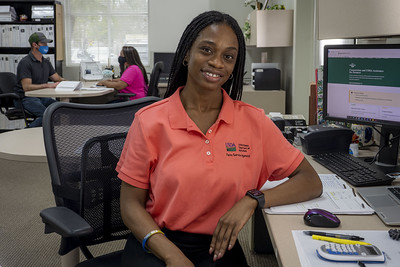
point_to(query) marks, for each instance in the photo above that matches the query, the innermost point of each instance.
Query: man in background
(33, 73)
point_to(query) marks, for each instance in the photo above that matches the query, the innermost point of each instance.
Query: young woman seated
(133, 75)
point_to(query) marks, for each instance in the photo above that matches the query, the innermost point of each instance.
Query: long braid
(179, 72)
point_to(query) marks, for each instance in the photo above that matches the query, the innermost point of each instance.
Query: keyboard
(395, 191)
(353, 170)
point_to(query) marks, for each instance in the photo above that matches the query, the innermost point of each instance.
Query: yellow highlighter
(339, 240)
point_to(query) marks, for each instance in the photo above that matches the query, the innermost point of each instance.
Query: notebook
(385, 200)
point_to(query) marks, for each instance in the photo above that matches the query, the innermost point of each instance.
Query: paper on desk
(337, 197)
(306, 248)
(96, 89)
(69, 86)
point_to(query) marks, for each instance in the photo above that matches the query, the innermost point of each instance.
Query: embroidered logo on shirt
(243, 150)
(230, 146)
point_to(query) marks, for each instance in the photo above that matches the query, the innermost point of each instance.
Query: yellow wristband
(148, 236)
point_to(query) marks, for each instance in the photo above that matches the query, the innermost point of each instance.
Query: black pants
(194, 246)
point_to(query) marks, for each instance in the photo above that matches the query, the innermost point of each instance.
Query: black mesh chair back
(83, 143)
(154, 78)
(8, 81)
(100, 188)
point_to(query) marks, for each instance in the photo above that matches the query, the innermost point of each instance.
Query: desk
(23, 145)
(280, 227)
(66, 96)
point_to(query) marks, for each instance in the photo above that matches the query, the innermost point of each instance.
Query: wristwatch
(257, 195)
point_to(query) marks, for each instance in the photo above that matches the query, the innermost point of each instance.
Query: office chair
(8, 81)
(83, 143)
(154, 78)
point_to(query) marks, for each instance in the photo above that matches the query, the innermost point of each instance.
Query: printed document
(337, 197)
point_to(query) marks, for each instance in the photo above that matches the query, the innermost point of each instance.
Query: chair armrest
(65, 222)
(8, 95)
(125, 94)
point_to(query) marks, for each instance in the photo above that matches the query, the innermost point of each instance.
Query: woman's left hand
(229, 226)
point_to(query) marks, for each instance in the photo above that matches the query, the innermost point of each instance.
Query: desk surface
(65, 95)
(23, 145)
(280, 227)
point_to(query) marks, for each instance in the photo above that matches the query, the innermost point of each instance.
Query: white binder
(69, 86)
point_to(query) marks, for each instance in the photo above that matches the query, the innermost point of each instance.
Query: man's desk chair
(83, 144)
(8, 81)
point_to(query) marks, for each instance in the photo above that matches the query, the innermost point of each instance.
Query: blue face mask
(44, 49)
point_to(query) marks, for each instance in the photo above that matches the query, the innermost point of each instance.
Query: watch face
(255, 192)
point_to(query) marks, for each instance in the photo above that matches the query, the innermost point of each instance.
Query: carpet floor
(25, 190)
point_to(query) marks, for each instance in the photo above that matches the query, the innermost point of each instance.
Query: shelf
(15, 45)
(25, 22)
(21, 50)
(271, 28)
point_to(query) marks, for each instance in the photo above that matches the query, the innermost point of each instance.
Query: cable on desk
(360, 263)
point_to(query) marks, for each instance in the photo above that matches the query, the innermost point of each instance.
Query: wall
(303, 57)
(358, 18)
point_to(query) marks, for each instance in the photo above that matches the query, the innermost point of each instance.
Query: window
(97, 29)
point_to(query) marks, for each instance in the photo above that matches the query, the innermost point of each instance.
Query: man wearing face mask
(33, 73)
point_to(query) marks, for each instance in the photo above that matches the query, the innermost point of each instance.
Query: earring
(231, 76)
(185, 63)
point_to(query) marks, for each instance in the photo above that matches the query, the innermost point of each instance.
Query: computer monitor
(361, 84)
(167, 58)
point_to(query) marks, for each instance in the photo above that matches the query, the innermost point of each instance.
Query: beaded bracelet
(148, 236)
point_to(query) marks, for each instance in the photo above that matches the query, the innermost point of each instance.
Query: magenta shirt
(134, 78)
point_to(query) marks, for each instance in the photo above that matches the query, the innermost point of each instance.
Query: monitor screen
(362, 85)
(167, 58)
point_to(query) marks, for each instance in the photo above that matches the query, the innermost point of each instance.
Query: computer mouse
(321, 218)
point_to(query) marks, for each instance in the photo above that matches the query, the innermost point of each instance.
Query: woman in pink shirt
(133, 74)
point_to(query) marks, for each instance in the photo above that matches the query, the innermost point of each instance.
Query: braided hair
(179, 72)
(132, 58)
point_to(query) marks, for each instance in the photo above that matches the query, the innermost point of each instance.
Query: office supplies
(337, 197)
(43, 13)
(338, 240)
(91, 70)
(323, 139)
(342, 236)
(364, 253)
(295, 121)
(394, 234)
(353, 170)
(320, 218)
(69, 86)
(385, 200)
(306, 248)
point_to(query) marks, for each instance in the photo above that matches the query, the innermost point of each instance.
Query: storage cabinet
(271, 28)
(14, 35)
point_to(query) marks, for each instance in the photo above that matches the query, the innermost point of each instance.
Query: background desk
(23, 145)
(66, 96)
(280, 227)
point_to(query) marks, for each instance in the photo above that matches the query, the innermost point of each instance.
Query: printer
(266, 76)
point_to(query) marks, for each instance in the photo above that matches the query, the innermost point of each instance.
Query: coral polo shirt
(193, 179)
